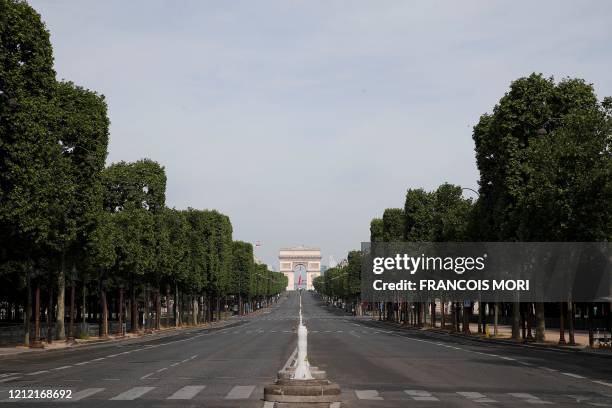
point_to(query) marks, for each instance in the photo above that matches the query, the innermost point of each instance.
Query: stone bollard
(299, 384)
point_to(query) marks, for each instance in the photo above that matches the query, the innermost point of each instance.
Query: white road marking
(161, 369)
(476, 397)
(144, 377)
(10, 374)
(132, 394)
(269, 404)
(528, 398)
(240, 392)
(602, 383)
(187, 392)
(88, 392)
(573, 375)
(333, 405)
(9, 379)
(61, 368)
(81, 363)
(552, 370)
(368, 395)
(420, 395)
(38, 372)
(98, 359)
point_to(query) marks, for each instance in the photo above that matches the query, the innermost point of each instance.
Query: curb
(168, 331)
(561, 349)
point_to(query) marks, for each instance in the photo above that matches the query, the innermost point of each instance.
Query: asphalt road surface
(375, 364)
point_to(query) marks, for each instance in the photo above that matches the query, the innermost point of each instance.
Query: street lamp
(472, 190)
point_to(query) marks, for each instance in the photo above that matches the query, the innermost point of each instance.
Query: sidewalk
(504, 336)
(7, 352)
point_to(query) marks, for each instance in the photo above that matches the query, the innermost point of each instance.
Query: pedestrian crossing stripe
(244, 392)
(476, 397)
(187, 392)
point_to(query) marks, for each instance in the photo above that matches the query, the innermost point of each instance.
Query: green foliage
(342, 281)
(542, 157)
(376, 230)
(143, 184)
(393, 225)
(29, 152)
(135, 240)
(243, 267)
(451, 214)
(418, 213)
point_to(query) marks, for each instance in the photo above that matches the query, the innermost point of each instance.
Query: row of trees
(545, 160)
(67, 221)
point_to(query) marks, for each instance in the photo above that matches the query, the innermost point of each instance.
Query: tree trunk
(466, 319)
(167, 306)
(176, 306)
(60, 331)
(194, 319)
(157, 310)
(50, 315)
(541, 323)
(433, 314)
(104, 324)
(83, 305)
(570, 323)
(121, 332)
(516, 320)
(71, 323)
(147, 310)
(27, 310)
(134, 306)
(37, 316)
(590, 325)
(496, 319)
(561, 324)
(479, 329)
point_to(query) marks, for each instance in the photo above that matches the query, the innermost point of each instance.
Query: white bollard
(302, 369)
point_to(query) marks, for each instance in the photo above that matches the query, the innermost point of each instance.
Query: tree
(101, 258)
(82, 127)
(451, 214)
(418, 213)
(242, 268)
(393, 225)
(27, 186)
(376, 230)
(512, 155)
(135, 246)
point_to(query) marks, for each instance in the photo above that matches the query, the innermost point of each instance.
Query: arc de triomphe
(291, 258)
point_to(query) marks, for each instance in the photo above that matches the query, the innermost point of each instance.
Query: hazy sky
(302, 120)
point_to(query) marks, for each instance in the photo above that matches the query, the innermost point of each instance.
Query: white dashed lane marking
(573, 375)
